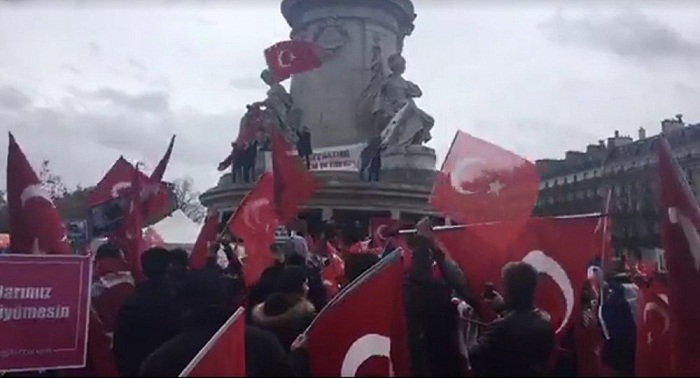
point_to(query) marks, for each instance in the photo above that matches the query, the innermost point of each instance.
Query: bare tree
(188, 199)
(52, 183)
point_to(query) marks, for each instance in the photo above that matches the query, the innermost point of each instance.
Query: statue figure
(401, 122)
(278, 106)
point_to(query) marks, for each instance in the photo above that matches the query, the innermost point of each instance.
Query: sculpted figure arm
(413, 90)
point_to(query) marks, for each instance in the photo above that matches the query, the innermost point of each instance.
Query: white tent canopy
(177, 229)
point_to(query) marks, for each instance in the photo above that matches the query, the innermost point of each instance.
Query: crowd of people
(160, 324)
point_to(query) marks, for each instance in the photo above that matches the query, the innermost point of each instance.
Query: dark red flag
(681, 242)
(362, 331)
(224, 354)
(653, 331)
(132, 232)
(294, 184)
(35, 225)
(255, 221)
(289, 58)
(207, 234)
(481, 182)
(544, 243)
(115, 183)
(157, 174)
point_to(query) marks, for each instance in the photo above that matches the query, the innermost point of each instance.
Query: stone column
(347, 31)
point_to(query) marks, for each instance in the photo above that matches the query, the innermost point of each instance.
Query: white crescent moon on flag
(547, 265)
(281, 62)
(251, 216)
(116, 188)
(652, 306)
(35, 191)
(690, 232)
(379, 232)
(457, 174)
(365, 347)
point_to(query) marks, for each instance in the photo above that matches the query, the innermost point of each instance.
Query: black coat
(149, 318)
(288, 324)
(518, 345)
(265, 357)
(304, 143)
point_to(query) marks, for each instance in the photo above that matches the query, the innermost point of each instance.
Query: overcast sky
(81, 84)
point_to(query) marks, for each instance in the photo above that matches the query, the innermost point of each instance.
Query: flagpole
(462, 226)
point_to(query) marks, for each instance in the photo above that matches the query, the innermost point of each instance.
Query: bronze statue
(278, 106)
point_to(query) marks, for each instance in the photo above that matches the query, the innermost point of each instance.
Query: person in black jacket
(250, 154)
(209, 309)
(304, 145)
(148, 318)
(520, 342)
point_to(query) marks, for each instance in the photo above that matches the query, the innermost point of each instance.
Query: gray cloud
(628, 34)
(94, 48)
(98, 135)
(12, 98)
(136, 64)
(71, 68)
(247, 82)
(154, 102)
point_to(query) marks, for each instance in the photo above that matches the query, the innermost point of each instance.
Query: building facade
(580, 182)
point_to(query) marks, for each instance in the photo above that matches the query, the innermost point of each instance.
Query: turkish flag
(254, 123)
(289, 58)
(362, 331)
(379, 230)
(546, 244)
(157, 198)
(333, 274)
(224, 354)
(480, 182)
(255, 221)
(132, 231)
(294, 184)
(207, 234)
(35, 224)
(681, 243)
(653, 331)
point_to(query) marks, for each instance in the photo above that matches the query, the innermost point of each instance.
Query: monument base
(411, 157)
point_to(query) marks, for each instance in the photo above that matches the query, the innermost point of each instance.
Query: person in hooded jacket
(287, 312)
(148, 318)
(209, 306)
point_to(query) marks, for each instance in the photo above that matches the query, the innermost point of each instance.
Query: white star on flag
(496, 187)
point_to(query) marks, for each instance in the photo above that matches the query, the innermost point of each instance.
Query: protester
(618, 320)
(149, 317)
(267, 283)
(209, 308)
(113, 283)
(235, 161)
(358, 263)
(249, 158)
(287, 312)
(304, 145)
(178, 272)
(521, 341)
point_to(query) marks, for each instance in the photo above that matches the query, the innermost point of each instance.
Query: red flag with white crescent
(681, 243)
(362, 331)
(544, 243)
(255, 221)
(207, 234)
(289, 58)
(35, 224)
(480, 183)
(653, 353)
(294, 185)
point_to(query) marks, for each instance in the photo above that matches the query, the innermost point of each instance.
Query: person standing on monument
(304, 145)
(250, 156)
(371, 160)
